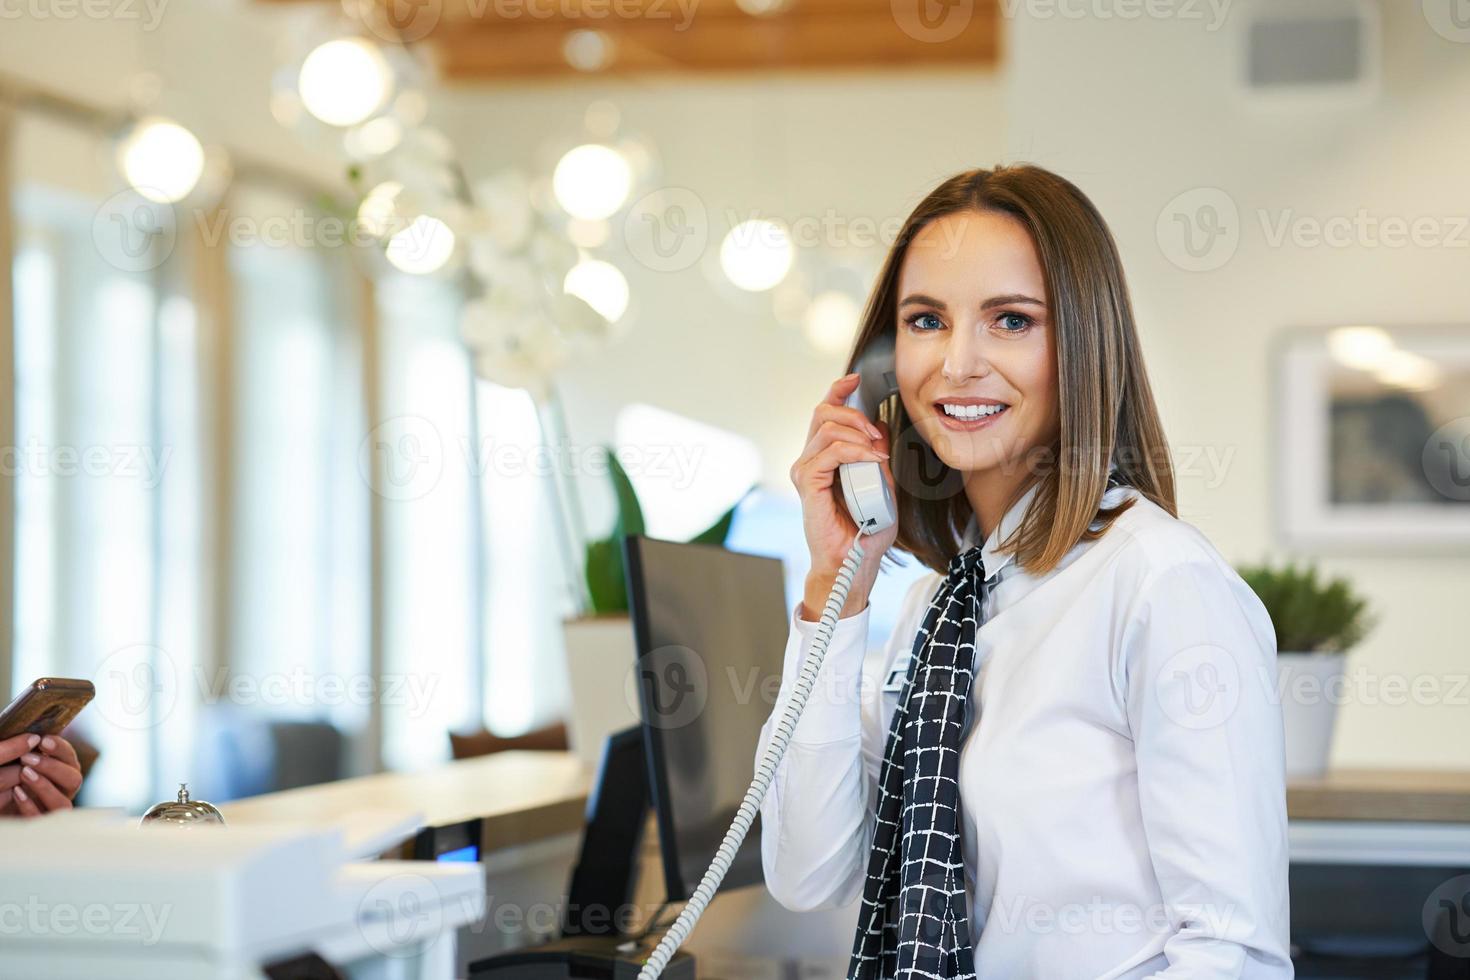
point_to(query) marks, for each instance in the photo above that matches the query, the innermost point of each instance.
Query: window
(423, 445)
(526, 590)
(89, 467)
(299, 513)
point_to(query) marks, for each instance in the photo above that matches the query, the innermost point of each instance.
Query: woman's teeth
(972, 411)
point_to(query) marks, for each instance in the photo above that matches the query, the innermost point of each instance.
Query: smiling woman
(1072, 722)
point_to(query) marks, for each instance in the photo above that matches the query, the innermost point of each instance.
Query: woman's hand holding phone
(38, 774)
(838, 434)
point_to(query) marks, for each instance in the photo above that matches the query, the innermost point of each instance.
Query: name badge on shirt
(897, 674)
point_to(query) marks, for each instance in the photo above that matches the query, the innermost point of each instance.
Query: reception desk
(528, 808)
(1373, 852)
(524, 809)
(1428, 795)
(1392, 817)
(522, 798)
(519, 798)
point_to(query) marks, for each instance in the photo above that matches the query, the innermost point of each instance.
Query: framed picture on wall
(1372, 432)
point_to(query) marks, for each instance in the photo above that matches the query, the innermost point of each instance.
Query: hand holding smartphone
(39, 770)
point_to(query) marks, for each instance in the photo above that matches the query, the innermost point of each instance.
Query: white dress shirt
(1122, 778)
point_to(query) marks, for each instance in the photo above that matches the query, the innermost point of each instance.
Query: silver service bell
(182, 812)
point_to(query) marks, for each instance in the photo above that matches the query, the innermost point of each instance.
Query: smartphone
(46, 707)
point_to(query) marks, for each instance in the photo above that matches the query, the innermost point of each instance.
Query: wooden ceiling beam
(475, 40)
(806, 41)
(491, 12)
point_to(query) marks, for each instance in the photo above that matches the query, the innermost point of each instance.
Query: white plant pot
(1310, 692)
(601, 657)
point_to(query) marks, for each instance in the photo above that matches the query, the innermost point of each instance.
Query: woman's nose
(964, 356)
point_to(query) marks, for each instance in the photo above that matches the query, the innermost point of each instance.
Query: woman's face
(975, 335)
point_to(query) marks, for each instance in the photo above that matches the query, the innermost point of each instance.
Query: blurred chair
(244, 753)
(306, 753)
(552, 738)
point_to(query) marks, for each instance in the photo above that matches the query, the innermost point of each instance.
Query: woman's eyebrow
(1011, 299)
(921, 300)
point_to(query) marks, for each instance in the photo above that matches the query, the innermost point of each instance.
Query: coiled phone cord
(764, 771)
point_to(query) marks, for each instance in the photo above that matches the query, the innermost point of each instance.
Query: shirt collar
(990, 553)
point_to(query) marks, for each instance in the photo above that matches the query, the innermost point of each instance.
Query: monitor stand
(592, 946)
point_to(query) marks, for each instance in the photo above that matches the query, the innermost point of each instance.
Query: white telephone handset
(870, 504)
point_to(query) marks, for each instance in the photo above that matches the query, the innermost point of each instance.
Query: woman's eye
(1015, 322)
(925, 321)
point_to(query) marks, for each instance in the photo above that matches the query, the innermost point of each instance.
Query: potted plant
(599, 643)
(1317, 623)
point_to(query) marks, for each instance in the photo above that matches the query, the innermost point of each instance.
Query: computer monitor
(710, 628)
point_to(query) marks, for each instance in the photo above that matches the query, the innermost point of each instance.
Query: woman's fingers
(830, 432)
(59, 748)
(816, 472)
(67, 778)
(880, 441)
(13, 748)
(832, 424)
(43, 790)
(842, 415)
(836, 394)
(37, 782)
(887, 463)
(838, 390)
(24, 805)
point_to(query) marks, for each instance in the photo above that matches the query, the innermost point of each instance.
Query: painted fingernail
(31, 759)
(29, 773)
(879, 452)
(873, 431)
(33, 741)
(48, 743)
(20, 794)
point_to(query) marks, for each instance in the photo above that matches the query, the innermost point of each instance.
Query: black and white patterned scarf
(914, 921)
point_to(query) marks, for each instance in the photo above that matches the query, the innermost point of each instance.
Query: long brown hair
(1107, 409)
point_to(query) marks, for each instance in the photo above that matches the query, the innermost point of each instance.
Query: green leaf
(717, 532)
(606, 578)
(630, 515)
